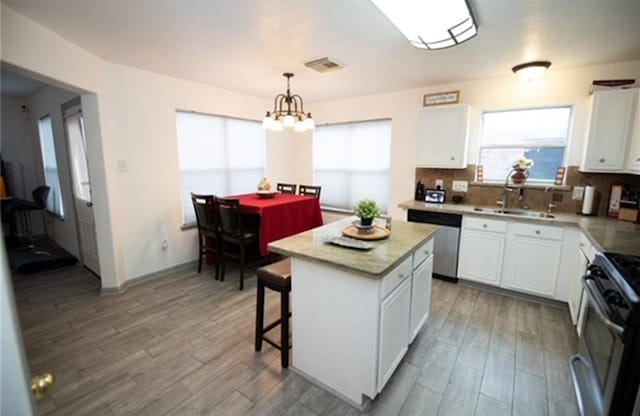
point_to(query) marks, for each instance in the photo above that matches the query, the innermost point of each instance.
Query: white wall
(47, 101)
(557, 87)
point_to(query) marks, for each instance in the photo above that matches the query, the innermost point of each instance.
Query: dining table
(281, 215)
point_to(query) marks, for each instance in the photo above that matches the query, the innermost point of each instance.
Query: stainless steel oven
(605, 371)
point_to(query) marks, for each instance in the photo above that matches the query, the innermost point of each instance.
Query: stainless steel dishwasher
(447, 240)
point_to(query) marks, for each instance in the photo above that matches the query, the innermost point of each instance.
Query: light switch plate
(460, 186)
(578, 193)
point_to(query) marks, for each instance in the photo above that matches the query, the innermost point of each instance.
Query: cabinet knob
(453, 158)
(601, 160)
(401, 276)
(538, 232)
(638, 159)
(426, 252)
(484, 225)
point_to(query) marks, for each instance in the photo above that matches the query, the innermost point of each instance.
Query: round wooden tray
(379, 233)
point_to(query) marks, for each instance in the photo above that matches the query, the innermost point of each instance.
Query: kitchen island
(356, 311)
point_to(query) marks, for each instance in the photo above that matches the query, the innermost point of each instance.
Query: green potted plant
(367, 210)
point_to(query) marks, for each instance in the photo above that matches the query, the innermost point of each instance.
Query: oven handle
(599, 305)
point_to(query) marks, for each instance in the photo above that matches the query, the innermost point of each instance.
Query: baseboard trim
(514, 294)
(108, 291)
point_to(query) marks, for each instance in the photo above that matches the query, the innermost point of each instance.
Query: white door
(74, 129)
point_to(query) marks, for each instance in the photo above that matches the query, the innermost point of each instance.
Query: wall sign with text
(451, 97)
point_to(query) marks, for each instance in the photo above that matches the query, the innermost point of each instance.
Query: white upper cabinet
(633, 164)
(610, 130)
(443, 137)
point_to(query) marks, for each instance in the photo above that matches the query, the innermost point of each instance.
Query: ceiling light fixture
(288, 112)
(431, 24)
(531, 70)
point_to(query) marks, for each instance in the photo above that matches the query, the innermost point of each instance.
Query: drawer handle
(601, 160)
(538, 232)
(484, 225)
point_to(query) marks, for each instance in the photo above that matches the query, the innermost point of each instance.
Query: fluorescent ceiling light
(431, 24)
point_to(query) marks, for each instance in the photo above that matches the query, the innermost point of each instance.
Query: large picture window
(217, 155)
(50, 165)
(540, 134)
(351, 162)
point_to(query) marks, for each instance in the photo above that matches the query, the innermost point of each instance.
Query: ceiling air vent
(323, 65)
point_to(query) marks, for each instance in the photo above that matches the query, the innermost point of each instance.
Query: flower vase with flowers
(521, 166)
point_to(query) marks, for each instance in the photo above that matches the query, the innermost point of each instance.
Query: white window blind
(50, 165)
(351, 163)
(540, 134)
(217, 155)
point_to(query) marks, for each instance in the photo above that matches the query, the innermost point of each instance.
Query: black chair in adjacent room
(237, 243)
(287, 188)
(23, 208)
(277, 277)
(309, 190)
(209, 236)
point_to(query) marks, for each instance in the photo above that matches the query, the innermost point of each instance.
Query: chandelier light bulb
(276, 125)
(288, 121)
(300, 127)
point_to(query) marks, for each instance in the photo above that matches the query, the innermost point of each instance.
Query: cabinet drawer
(586, 248)
(539, 231)
(484, 224)
(422, 253)
(397, 276)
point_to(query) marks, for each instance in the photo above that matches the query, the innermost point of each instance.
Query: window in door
(540, 134)
(217, 155)
(50, 165)
(78, 156)
(351, 163)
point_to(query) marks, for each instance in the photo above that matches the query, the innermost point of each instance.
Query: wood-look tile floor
(182, 344)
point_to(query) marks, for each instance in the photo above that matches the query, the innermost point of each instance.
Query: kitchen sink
(519, 212)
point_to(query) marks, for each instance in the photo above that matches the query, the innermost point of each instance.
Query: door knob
(42, 385)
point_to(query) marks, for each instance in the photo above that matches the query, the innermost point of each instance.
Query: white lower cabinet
(394, 331)
(481, 250)
(532, 259)
(420, 296)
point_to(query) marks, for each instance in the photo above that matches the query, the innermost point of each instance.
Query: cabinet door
(633, 164)
(575, 290)
(481, 256)
(443, 134)
(531, 265)
(420, 296)
(394, 331)
(609, 130)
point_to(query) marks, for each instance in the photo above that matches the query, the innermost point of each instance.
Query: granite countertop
(375, 263)
(607, 234)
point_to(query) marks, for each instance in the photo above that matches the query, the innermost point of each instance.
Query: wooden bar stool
(275, 276)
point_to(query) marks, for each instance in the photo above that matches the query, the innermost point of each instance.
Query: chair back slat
(309, 190)
(287, 188)
(230, 218)
(206, 213)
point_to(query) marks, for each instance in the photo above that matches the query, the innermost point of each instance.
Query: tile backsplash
(534, 198)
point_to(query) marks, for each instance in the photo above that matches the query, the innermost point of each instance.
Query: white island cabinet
(354, 313)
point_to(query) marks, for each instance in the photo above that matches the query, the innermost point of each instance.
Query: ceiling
(245, 45)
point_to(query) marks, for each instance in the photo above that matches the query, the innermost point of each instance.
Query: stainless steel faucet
(550, 205)
(505, 191)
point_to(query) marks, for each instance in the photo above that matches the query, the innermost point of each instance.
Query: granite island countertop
(607, 234)
(374, 263)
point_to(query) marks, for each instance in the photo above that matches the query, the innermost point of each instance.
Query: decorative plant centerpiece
(367, 210)
(521, 166)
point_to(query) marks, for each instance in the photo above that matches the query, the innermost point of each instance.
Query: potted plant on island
(367, 210)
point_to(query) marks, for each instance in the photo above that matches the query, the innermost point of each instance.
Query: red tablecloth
(281, 216)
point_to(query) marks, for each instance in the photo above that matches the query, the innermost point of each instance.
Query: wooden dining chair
(209, 237)
(287, 188)
(237, 242)
(309, 190)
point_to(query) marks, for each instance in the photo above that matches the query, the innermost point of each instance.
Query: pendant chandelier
(288, 112)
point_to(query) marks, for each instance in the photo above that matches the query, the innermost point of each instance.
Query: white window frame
(187, 207)
(55, 204)
(567, 141)
(349, 171)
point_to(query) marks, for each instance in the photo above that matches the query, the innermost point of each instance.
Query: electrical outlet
(440, 183)
(460, 186)
(578, 193)
(165, 245)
